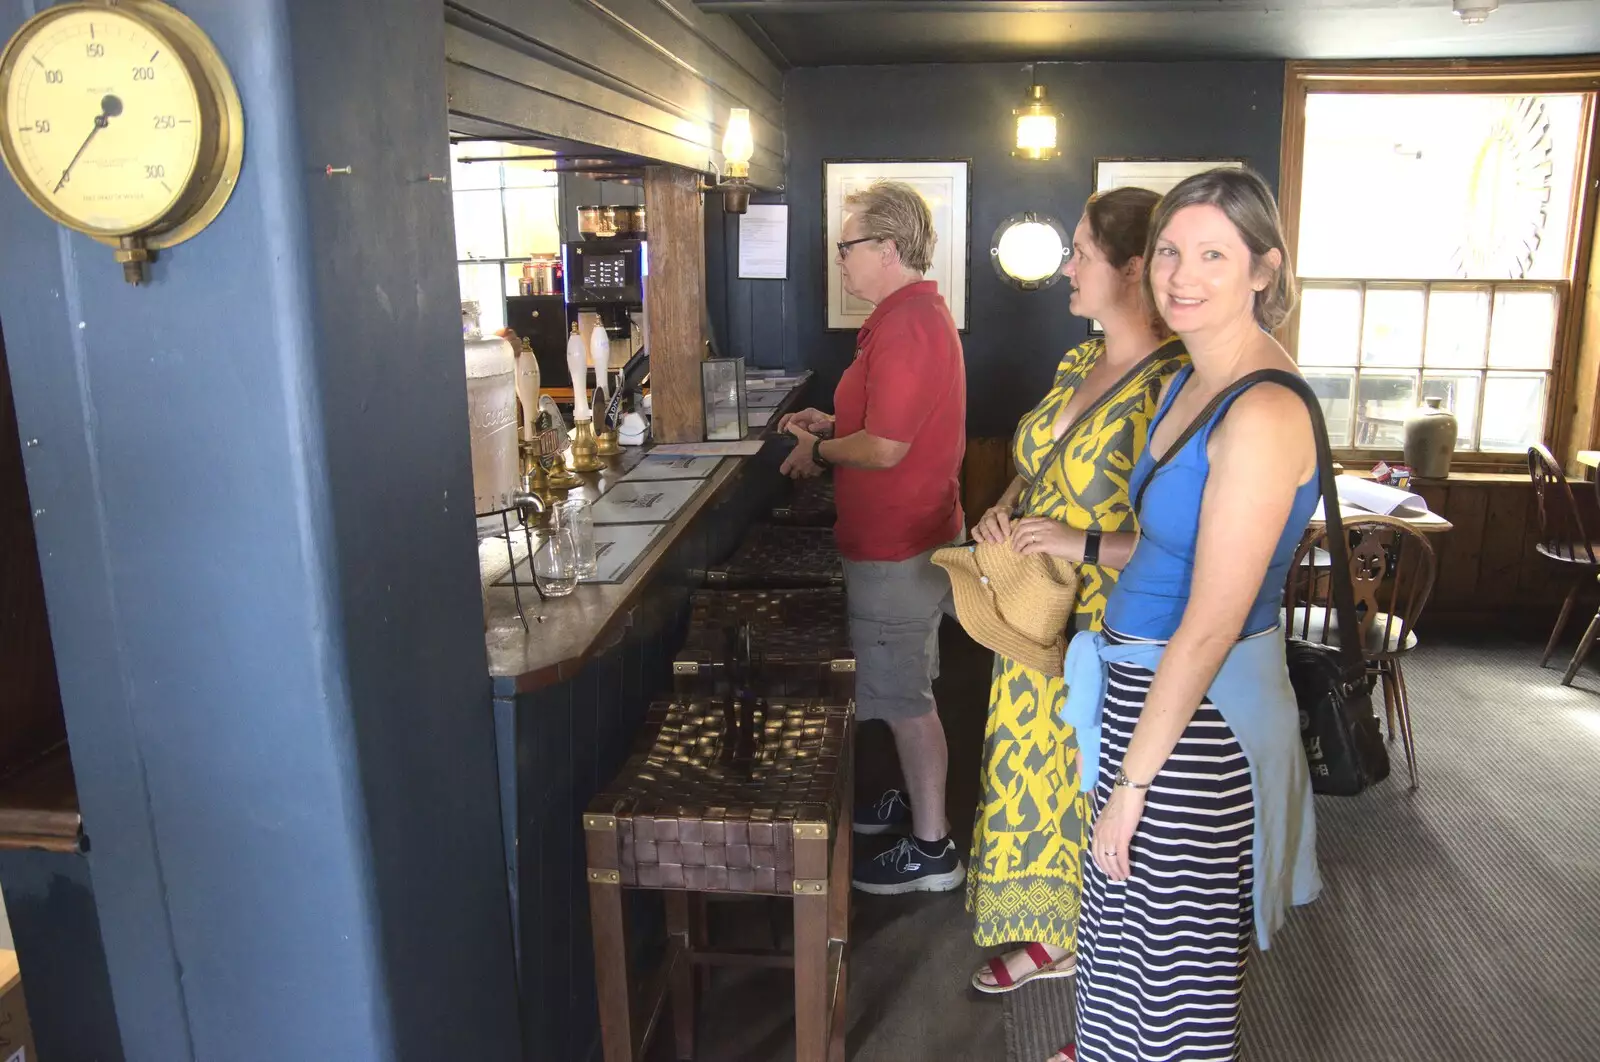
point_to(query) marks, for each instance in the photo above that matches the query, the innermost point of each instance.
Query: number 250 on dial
(120, 120)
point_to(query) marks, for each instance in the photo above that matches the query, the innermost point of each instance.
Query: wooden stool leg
(700, 933)
(679, 925)
(839, 929)
(810, 978)
(611, 972)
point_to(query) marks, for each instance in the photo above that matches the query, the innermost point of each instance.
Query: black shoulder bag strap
(1344, 599)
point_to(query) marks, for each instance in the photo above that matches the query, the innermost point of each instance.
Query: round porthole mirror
(1029, 249)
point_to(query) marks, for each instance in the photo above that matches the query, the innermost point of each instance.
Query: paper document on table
(741, 448)
(1379, 497)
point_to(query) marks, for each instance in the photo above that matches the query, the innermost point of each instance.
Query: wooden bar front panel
(675, 302)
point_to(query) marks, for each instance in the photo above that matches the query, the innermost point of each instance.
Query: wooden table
(1428, 523)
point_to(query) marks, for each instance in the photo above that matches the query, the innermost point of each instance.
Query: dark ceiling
(848, 32)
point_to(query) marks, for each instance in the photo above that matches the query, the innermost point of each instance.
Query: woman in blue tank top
(1203, 831)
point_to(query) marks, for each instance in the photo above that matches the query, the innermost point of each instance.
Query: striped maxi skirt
(1161, 956)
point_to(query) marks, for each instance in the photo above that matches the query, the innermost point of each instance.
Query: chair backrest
(1561, 527)
(1392, 568)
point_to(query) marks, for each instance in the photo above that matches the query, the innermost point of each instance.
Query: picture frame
(946, 184)
(1159, 175)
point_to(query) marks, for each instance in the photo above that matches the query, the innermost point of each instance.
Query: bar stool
(745, 797)
(810, 504)
(799, 644)
(777, 557)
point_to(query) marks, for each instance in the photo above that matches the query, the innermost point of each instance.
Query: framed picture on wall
(1158, 175)
(944, 183)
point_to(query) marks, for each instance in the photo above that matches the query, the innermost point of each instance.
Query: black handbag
(1338, 727)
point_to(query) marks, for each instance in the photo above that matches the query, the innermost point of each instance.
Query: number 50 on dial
(121, 121)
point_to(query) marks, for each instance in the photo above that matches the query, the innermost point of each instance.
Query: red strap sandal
(1043, 967)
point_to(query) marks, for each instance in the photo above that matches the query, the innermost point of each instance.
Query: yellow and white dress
(1033, 823)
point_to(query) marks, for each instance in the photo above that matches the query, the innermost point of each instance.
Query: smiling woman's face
(1203, 275)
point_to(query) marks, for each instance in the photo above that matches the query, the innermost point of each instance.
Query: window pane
(1460, 394)
(1333, 391)
(1513, 411)
(1524, 334)
(1438, 185)
(483, 284)
(1391, 332)
(1384, 402)
(480, 229)
(466, 176)
(531, 222)
(1330, 326)
(1458, 327)
(530, 174)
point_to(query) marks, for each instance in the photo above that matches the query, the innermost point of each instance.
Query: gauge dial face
(103, 121)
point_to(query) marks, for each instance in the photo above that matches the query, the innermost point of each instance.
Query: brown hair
(1247, 202)
(1119, 221)
(893, 210)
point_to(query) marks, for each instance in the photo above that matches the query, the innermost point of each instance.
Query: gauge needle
(110, 107)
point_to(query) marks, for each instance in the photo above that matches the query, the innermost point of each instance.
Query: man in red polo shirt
(896, 442)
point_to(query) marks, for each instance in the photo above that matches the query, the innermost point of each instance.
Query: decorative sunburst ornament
(1508, 194)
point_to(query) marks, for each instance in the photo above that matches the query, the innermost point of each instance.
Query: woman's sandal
(1069, 1052)
(1043, 967)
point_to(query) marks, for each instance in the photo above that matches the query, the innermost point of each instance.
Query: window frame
(1439, 77)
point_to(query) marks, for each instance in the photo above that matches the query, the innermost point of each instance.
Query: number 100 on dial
(121, 122)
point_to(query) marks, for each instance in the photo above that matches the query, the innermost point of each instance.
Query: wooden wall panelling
(585, 71)
(1457, 587)
(674, 302)
(31, 719)
(986, 471)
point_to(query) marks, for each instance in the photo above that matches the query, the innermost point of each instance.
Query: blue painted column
(252, 496)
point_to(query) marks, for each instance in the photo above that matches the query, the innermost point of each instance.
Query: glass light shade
(1036, 127)
(738, 142)
(1028, 250)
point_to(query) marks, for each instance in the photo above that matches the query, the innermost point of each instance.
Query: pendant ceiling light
(1036, 127)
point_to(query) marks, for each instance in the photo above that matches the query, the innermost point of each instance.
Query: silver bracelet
(1123, 781)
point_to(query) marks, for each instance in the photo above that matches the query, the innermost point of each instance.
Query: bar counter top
(564, 633)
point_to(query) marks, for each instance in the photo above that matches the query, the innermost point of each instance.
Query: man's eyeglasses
(845, 245)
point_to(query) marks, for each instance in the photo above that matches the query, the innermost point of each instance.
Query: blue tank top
(1150, 597)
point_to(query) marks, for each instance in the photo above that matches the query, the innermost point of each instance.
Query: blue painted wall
(253, 510)
(1015, 339)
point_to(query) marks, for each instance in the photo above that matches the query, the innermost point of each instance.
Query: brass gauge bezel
(221, 148)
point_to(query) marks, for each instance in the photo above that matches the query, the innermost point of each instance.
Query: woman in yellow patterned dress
(1073, 453)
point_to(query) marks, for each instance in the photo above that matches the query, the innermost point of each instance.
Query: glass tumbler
(555, 563)
(576, 516)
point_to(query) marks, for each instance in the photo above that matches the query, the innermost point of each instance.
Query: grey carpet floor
(1459, 923)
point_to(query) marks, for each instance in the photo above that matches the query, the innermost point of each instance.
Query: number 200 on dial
(103, 121)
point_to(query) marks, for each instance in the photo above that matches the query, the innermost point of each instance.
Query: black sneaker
(888, 814)
(909, 867)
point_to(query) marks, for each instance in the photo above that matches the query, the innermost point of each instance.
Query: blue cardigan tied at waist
(1253, 695)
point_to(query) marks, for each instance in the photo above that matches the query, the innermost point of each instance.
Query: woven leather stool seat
(776, 557)
(750, 798)
(714, 806)
(799, 644)
(809, 505)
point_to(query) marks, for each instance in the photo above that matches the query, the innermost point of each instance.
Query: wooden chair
(1562, 536)
(1392, 568)
(1583, 650)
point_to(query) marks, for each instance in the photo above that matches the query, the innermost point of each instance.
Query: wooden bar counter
(570, 693)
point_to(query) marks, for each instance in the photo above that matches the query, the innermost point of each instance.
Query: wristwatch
(816, 455)
(1091, 547)
(1124, 782)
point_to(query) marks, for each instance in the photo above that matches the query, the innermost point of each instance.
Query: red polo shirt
(908, 383)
